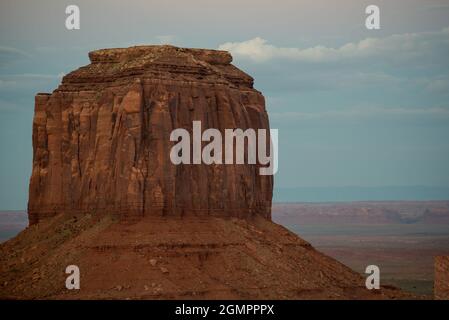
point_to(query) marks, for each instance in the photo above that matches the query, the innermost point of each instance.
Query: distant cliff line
(355, 193)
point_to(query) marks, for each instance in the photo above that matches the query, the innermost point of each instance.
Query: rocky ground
(442, 278)
(173, 258)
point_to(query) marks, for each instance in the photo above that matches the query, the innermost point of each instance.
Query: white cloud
(8, 106)
(399, 46)
(440, 85)
(439, 6)
(8, 54)
(12, 51)
(18, 82)
(365, 112)
(166, 39)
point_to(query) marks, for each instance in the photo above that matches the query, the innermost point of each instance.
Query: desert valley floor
(402, 238)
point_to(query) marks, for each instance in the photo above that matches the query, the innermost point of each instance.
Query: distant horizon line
(358, 193)
(341, 194)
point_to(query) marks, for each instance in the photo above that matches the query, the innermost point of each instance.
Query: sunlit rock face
(101, 140)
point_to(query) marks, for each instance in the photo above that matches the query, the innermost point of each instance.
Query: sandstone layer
(101, 139)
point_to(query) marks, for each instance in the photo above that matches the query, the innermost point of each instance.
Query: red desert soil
(173, 258)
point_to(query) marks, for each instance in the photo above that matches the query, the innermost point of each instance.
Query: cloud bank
(406, 46)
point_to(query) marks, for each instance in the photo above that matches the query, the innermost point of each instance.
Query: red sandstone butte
(101, 139)
(101, 145)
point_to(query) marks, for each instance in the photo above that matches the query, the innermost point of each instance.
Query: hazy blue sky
(353, 107)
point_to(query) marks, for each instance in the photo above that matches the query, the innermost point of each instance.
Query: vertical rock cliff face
(101, 140)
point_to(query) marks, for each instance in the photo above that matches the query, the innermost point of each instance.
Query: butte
(104, 195)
